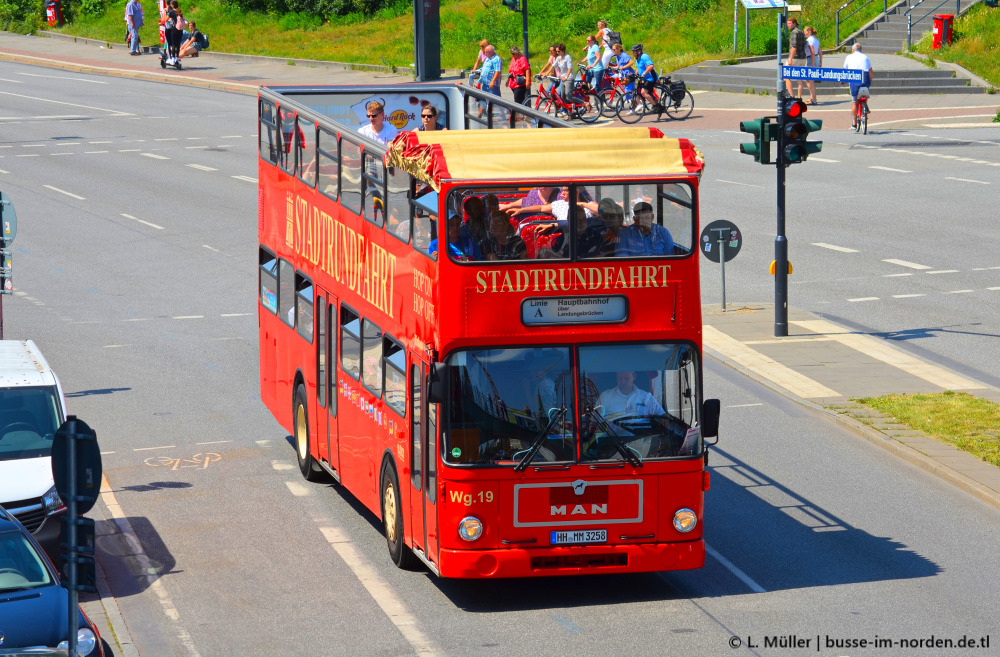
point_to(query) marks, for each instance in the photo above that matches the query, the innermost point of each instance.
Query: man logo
(579, 486)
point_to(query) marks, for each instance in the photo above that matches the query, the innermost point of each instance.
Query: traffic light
(764, 132)
(795, 128)
(513, 5)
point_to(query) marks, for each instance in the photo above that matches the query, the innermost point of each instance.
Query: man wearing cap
(647, 75)
(643, 237)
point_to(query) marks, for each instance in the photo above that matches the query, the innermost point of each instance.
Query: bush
(21, 16)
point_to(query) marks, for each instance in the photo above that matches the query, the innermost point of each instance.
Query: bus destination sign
(547, 311)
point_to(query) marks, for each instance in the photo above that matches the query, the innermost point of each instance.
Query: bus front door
(423, 463)
(326, 378)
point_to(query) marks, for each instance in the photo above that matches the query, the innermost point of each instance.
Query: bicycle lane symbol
(199, 461)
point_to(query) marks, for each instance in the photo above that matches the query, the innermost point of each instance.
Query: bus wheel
(392, 521)
(307, 466)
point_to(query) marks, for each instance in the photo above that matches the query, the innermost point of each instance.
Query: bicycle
(674, 98)
(861, 115)
(612, 88)
(583, 103)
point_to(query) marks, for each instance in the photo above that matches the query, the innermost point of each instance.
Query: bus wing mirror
(710, 410)
(437, 383)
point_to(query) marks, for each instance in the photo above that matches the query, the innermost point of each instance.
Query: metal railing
(910, 22)
(885, 10)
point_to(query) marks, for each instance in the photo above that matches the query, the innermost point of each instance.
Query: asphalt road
(135, 273)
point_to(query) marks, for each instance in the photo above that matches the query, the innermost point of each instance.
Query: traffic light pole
(524, 29)
(780, 241)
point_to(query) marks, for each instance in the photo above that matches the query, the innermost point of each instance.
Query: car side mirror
(710, 410)
(438, 379)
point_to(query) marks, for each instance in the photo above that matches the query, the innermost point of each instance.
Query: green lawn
(969, 423)
(975, 44)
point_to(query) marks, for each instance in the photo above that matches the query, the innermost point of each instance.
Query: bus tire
(300, 425)
(392, 520)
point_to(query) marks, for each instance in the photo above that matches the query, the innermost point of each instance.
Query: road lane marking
(763, 365)
(856, 300)
(98, 142)
(383, 595)
(231, 137)
(733, 182)
(29, 155)
(942, 271)
(235, 314)
(188, 317)
(167, 139)
(63, 191)
(147, 449)
(833, 247)
(93, 152)
(246, 178)
(201, 167)
(728, 565)
(744, 405)
(907, 296)
(896, 275)
(993, 289)
(114, 113)
(194, 147)
(968, 180)
(890, 169)
(61, 77)
(282, 465)
(210, 248)
(879, 350)
(298, 490)
(14, 81)
(959, 291)
(4, 171)
(151, 225)
(145, 566)
(129, 150)
(904, 263)
(33, 145)
(155, 156)
(823, 159)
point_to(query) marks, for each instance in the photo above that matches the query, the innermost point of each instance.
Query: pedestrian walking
(814, 58)
(134, 19)
(489, 74)
(518, 74)
(796, 51)
(480, 60)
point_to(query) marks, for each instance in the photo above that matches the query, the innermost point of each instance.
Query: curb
(877, 437)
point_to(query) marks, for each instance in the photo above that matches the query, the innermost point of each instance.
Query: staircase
(710, 76)
(888, 35)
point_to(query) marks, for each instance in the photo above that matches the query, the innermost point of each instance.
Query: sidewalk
(823, 366)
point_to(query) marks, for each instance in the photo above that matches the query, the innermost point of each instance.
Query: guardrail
(885, 10)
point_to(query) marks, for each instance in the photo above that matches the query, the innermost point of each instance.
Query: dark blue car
(33, 602)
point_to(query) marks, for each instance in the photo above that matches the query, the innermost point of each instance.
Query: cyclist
(858, 61)
(647, 75)
(623, 65)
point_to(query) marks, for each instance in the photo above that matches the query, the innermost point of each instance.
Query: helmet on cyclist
(637, 47)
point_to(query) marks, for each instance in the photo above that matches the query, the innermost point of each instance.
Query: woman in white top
(814, 58)
(563, 68)
(602, 38)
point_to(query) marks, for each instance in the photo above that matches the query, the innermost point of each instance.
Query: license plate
(580, 536)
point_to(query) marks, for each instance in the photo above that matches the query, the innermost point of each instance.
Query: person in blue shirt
(644, 238)
(647, 75)
(595, 67)
(622, 63)
(460, 247)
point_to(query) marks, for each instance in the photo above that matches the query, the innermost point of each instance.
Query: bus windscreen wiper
(539, 439)
(626, 453)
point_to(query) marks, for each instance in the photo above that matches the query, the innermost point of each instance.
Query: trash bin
(53, 12)
(942, 30)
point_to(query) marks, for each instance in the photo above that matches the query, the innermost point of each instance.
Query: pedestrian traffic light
(513, 5)
(764, 132)
(795, 128)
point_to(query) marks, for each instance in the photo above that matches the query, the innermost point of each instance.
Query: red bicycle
(582, 104)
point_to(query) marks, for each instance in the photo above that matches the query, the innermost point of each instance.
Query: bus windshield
(634, 402)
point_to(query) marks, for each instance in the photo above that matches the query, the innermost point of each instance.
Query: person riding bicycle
(647, 76)
(623, 65)
(858, 61)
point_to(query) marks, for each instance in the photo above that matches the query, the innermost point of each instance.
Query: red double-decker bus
(491, 338)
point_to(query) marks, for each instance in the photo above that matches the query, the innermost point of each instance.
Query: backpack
(613, 37)
(204, 41)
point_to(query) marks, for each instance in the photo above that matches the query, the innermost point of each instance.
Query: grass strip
(969, 423)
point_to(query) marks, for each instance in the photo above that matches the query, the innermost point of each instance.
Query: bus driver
(628, 400)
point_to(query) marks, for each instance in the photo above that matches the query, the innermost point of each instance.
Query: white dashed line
(166, 139)
(832, 247)
(993, 289)
(904, 263)
(740, 575)
(959, 291)
(4, 171)
(128, 216)
(732, 182)
(129, 150)
(155, 156)
(943, 271)
(231, 137)
(235, 314)
(191, 148)
(890, 169)
(93, 152)
(897, 275)
(214, 442)
(979, 182)
(60, 153)
(201, 167)
(116, 346)
(146, 449)
(188, 317)
(863, 299)
(282, 465)
(29, 155)
(63, 191)
(907, 296)
(211, 248)
(33, 145)
(246, 178)
(298, 490)
(823, 159)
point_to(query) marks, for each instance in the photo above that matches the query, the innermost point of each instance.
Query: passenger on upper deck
(613, 217)
(455, 242)
(644, 237)
(378, 129)
(503, 242)
(474, 232)
(536, 196)
(560, 207)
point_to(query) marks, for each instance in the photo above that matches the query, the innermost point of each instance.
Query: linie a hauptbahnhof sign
(821, 74)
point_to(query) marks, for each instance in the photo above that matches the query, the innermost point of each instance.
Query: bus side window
(350, 176)
(321, 329)
(268, 280)
(329, 164)
(374, 185)
(305, 147)
(304, 307)
(286, 155)
(371, 358)
(350, 342)
(286, 292)
(395, 375)
(268, 131)
(398, 205)
(415, 419)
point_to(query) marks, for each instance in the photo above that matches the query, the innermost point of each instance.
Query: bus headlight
(470, 528)
(685, 520)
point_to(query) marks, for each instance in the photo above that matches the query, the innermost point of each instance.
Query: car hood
(33, 618)
(24, 479)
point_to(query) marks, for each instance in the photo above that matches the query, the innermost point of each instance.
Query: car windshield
(29, 418)
(21, 566)
(631, 402)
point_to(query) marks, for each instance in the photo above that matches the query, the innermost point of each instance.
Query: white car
(32, 408)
